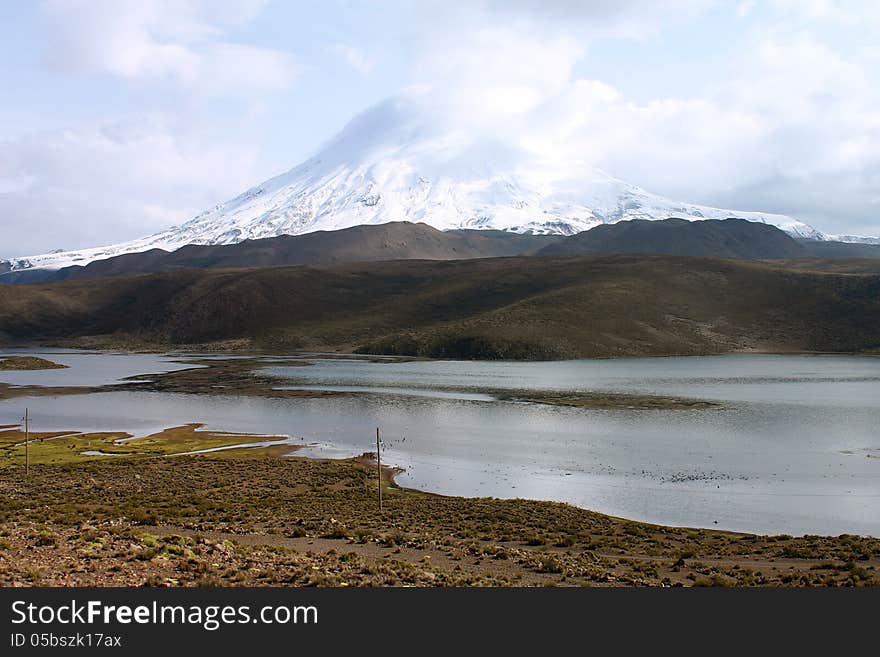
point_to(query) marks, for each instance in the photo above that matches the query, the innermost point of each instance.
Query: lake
(795, 447)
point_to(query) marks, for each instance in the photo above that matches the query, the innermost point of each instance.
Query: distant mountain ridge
(728, 238)
(395, 162)
(391, 241)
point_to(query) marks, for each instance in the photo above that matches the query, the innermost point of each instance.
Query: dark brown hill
(731, 238)
(728, 238)
(391, 241)
(488, 308)
(828, 249)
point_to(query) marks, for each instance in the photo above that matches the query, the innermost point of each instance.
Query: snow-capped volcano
(392, 163)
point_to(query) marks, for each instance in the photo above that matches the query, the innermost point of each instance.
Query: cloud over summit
(150, 111)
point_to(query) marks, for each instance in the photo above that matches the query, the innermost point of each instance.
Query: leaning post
(379, 467)
(27, 436)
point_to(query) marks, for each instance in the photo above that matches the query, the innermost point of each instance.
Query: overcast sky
(122, 117)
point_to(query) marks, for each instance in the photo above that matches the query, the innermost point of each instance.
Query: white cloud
(790, 124)
(793, 108)
(745, 7)
(106, 183)
(182, 40)
(634, 19)
(229, 66)
(486, 77)
(117, 179)
(811, 10)
(355, 57)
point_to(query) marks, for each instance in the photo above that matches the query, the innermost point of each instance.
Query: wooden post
(379, 467)
(27, 460)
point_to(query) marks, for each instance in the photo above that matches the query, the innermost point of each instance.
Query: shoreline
(211, 442)
(243, 350)
(253, 517)
(240, 377)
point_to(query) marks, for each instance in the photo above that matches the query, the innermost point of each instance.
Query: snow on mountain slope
(853, 239)
(391, 163)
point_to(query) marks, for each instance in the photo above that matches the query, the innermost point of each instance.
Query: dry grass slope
(521, 308)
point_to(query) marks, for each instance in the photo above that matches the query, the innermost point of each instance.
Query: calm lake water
(87, 369)
(795, 449)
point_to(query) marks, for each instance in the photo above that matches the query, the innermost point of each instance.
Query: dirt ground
(256, 517)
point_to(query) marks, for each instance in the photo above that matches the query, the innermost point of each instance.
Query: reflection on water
(795, 450)
(793, 379)
(394, 390)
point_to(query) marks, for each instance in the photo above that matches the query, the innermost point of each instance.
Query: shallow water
(88, 369)
(807, 380)
(795, 449)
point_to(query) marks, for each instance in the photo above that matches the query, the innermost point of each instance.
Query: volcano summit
(393, 162)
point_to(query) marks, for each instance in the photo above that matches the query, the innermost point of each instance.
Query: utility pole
(27, 459)
(379, 467)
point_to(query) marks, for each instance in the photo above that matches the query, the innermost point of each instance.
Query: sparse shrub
(712, 580)
(45, 539)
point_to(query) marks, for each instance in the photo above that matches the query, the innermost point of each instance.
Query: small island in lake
(29, 363)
